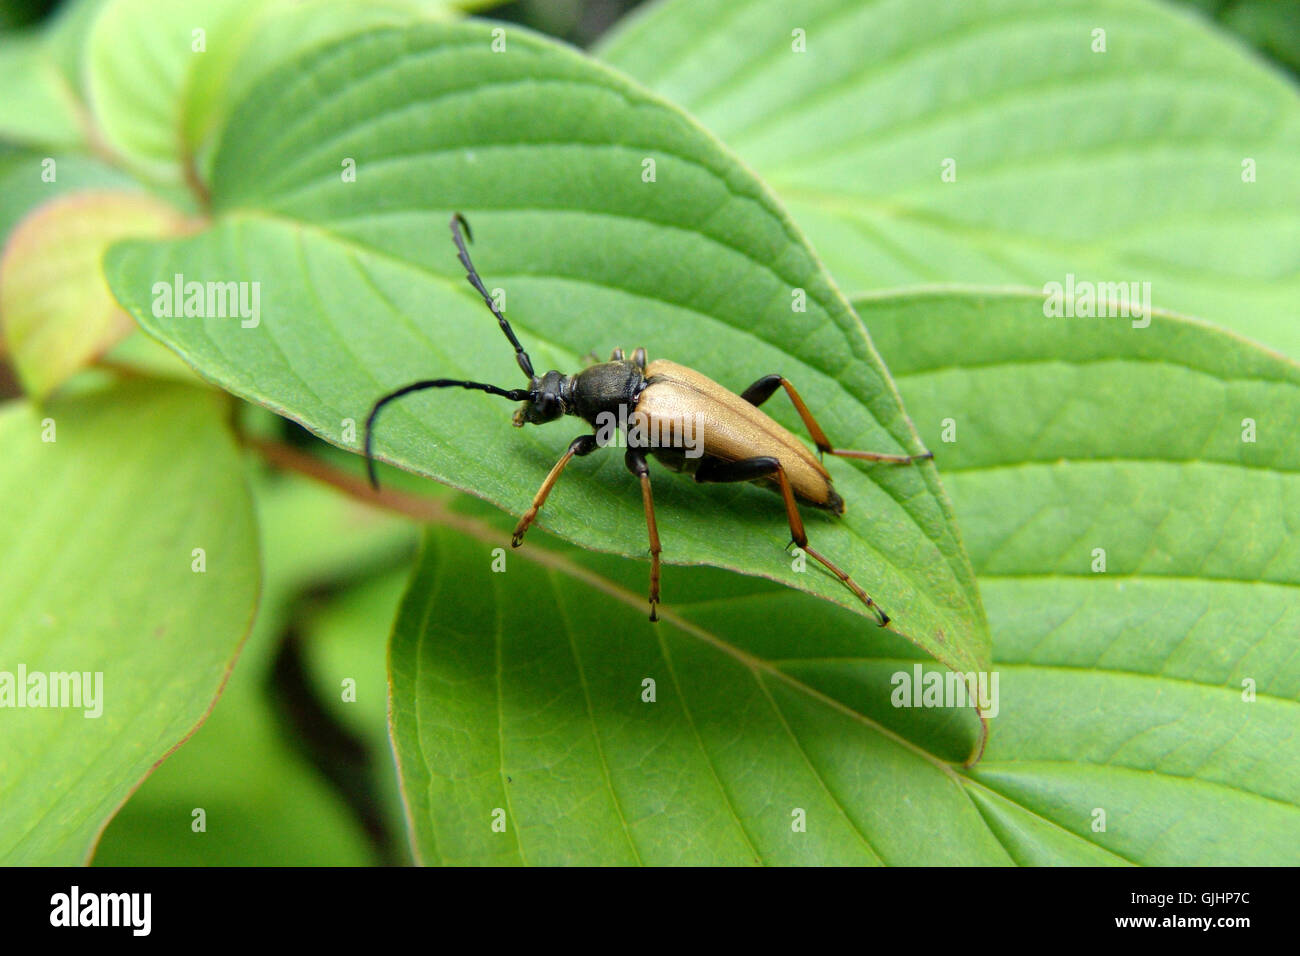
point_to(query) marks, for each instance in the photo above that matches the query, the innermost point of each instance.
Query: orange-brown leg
(636, 464)
(582, 445)
(748, 469)
(762, 390)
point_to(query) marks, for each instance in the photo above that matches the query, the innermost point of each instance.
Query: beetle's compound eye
(546, 408)
(538, 411)
(545, 401)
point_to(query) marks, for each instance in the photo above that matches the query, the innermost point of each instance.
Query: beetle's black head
(545, 399)
(548, 399)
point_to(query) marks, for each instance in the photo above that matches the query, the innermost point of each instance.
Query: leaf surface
(1163, 690)
(1172, 158)
(55, 308)
(360, 292)
(97, 560)
(1123, 734)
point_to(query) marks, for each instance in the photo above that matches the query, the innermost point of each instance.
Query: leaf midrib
(993, 764)
(482, 531)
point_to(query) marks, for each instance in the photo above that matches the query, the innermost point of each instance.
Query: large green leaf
(286, 30)
(150, 67)
(38, 107)
(162, 76)
(1120, 691)
(1119, 166)
(56, 313)
(98, 574)
(519, 695)
(263, 803)
(67, 31)
(1127, 689)
(360, 291)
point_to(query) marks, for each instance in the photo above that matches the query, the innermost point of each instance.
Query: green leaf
(38, 107)
(25, 181)
(96, 575)
(68, 30)
(55, 310)
(521, 693)
(1120, 691)
(163, 76)
(142, 59)
(1119, 166)
(360, 292)
(49, 98)
(263, 802)
(286, 31)
(1172, 448)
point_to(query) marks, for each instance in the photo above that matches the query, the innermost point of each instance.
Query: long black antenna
(514, 394)
(457, 220)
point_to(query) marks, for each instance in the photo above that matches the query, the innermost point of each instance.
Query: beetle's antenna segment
(514, 394)
(457, 220)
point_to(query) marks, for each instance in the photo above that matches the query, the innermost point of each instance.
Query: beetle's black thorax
(604, 388)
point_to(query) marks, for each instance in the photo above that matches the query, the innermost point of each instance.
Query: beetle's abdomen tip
(834, 502)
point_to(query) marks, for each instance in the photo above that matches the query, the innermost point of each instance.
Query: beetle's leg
(762, 390)
(616, 355)
(635, 459)
(582, 445)
(639, 359)
(765, 466)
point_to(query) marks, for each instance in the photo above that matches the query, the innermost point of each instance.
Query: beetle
(732, 439)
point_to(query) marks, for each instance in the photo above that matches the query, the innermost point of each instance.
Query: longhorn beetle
(736, 441)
